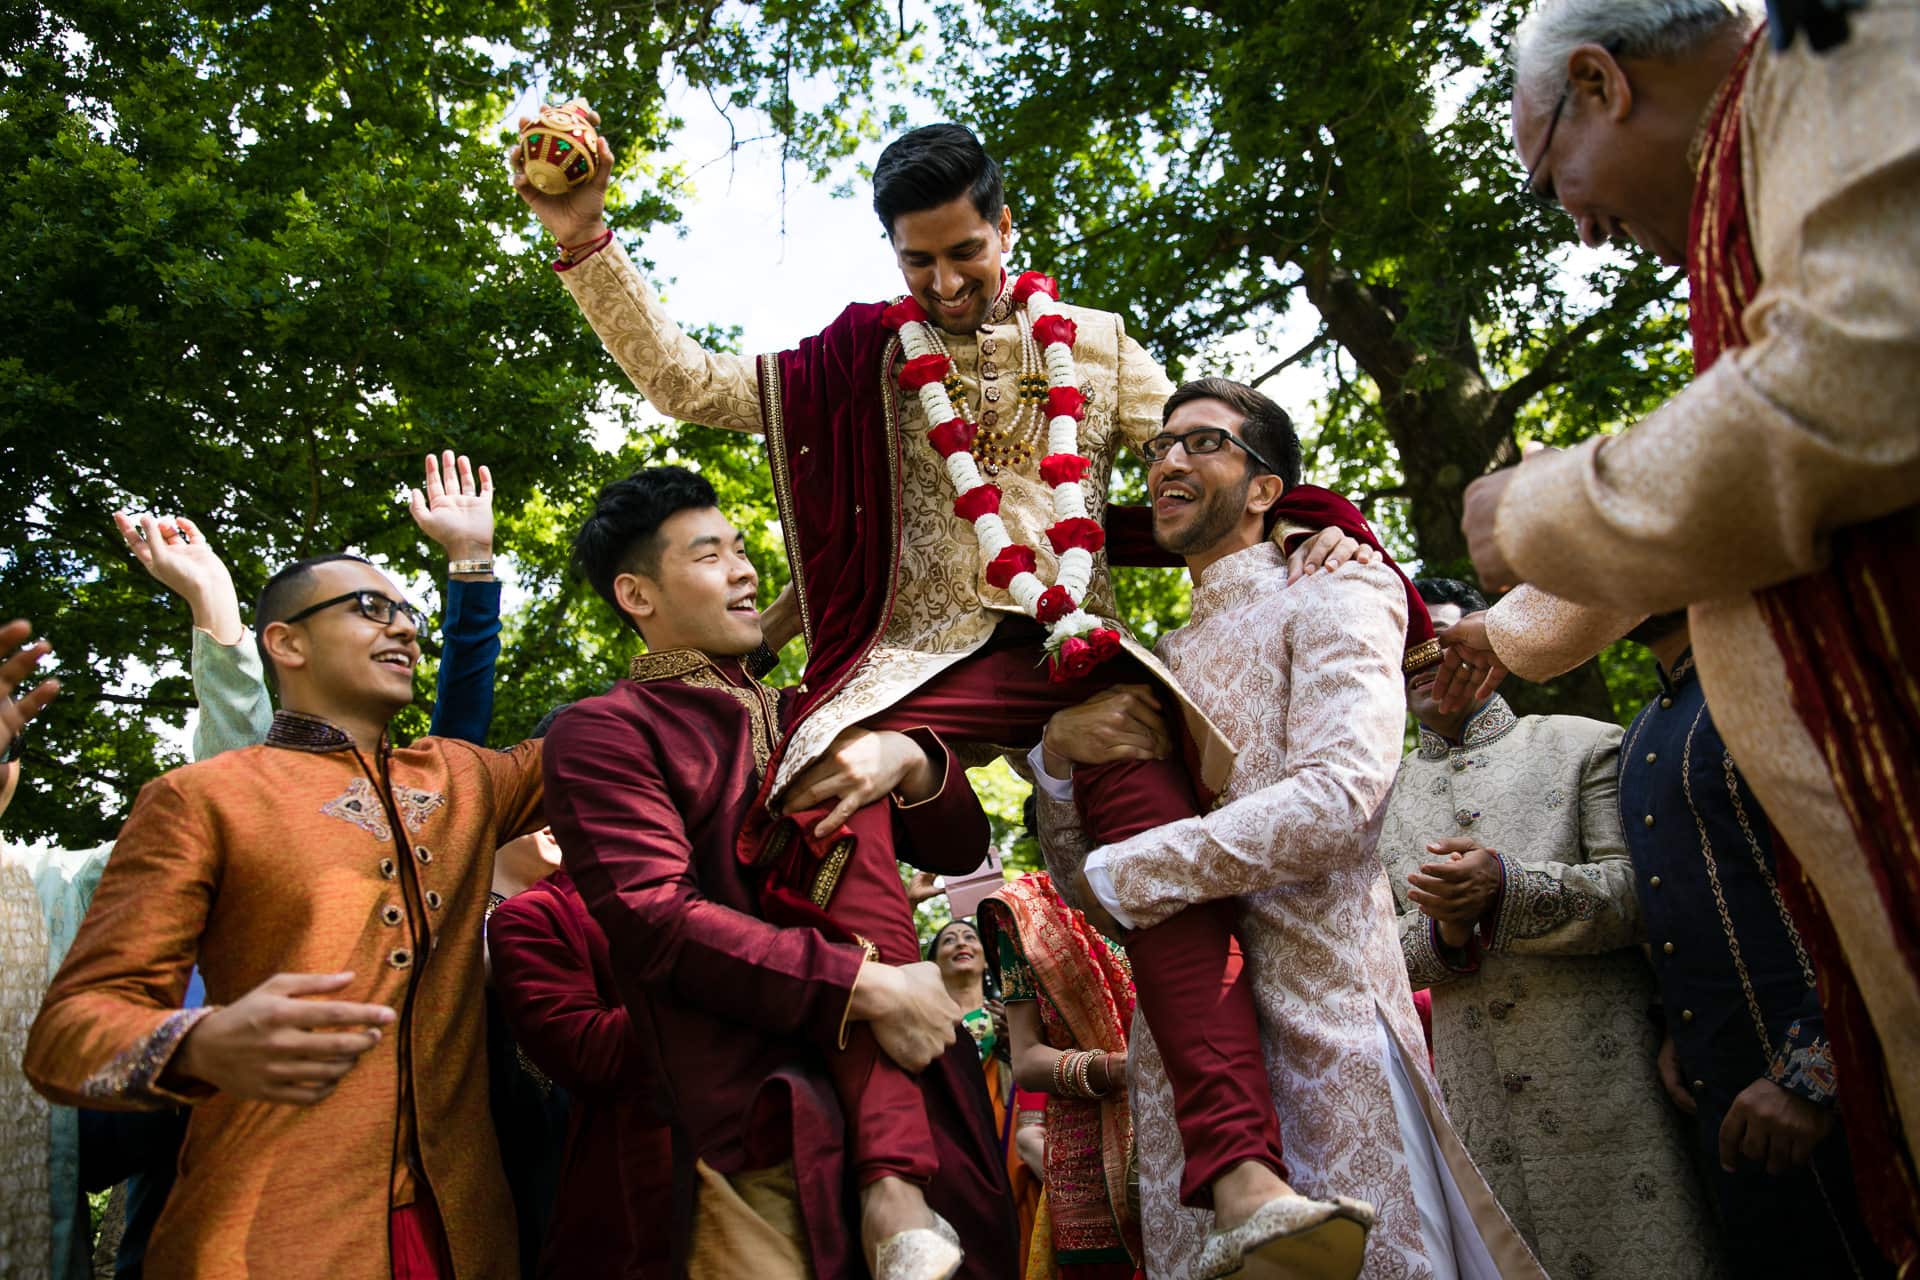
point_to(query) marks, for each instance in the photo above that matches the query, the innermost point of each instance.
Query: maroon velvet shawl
(832, 414)
(1130, 543)
(1850, 636)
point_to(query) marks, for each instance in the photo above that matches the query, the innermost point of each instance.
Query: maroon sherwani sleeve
(948, 832)
(543, 974)
(627, 848)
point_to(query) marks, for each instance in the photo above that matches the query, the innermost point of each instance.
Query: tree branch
(1324, 336)
(1551, 366)
(165, 704)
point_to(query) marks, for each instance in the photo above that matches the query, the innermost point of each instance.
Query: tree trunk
(1450, 427)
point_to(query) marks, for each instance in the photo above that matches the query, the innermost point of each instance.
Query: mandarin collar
(1683, 671)
(671, 664)
(299, 731)
(1489, 724)
(1245, 563)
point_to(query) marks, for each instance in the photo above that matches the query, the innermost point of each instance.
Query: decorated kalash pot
(560, 150)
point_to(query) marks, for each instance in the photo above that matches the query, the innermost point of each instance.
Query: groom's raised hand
(579, 216)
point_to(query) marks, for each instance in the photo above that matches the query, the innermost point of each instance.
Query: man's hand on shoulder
(908, 1009)
(273, 1045)
(1327, 550)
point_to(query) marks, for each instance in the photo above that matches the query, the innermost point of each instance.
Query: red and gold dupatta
(1850, 637)
(1086, 1002)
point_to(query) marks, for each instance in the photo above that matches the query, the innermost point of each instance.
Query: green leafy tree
(265, 258)
(1227, 168)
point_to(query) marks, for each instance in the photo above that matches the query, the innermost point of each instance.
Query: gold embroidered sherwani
(1306, 679)
(1736, 483)
(945, 609)
(1541, 1042)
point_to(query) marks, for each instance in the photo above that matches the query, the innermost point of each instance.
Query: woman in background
(1069, 1000)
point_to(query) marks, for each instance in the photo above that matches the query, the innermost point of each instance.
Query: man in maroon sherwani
(786, 1028)
(554, 975)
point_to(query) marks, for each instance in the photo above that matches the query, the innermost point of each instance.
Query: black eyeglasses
(1527, 191)
(1547, 197)
(1198, 441)
(370, 605)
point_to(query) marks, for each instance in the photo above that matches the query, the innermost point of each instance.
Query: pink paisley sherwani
(1306, 681)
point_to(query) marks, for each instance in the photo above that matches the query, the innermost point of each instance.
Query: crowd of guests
(1624, 1023)
(1297, 994)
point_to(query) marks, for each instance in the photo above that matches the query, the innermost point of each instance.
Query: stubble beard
(1219, 514)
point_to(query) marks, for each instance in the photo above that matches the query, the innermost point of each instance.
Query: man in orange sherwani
(331, 887)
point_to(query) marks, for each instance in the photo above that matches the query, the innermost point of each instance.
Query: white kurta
(1306, 681)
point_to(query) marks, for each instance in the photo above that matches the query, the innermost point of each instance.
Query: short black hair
(284, 595)
(1267, 426)
(929, 166)
(546, 721)
(623, 533)
(1450, 591)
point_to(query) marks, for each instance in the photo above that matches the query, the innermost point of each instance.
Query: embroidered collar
(1682, 672)
(672, 664)
(1489, 724)
(1002, 309)
(298, 731)
(1246, 563)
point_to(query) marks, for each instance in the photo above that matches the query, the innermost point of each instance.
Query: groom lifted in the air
(941, 467)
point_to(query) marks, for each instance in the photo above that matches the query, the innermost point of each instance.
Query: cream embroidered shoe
(1291, 1238)
(923, 1253)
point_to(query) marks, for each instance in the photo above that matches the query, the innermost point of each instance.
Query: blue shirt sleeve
(463, 695)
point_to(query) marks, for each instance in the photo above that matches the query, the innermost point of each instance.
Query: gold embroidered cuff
(869, 952)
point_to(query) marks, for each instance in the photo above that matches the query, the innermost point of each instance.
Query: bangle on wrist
(470, 566)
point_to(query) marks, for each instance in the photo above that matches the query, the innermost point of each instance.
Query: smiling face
(1205, 504)
(338, 662)
(1612, 151)
(951, 259)
(702, 594)
(959, 951)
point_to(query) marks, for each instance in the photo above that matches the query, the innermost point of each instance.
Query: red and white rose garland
(1076, 640)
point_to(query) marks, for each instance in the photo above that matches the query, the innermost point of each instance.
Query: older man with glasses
(331, 887)
(1777, 497)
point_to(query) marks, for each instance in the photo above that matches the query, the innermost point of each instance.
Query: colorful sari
(1047, 952)
(1850, 637)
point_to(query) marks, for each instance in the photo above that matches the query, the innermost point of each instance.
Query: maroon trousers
(1188, 979)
